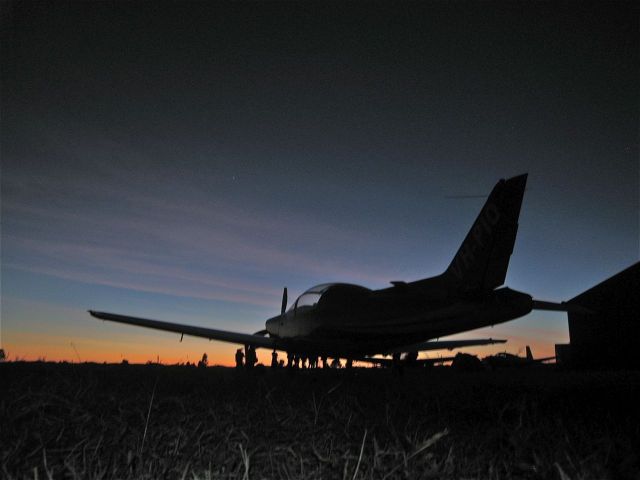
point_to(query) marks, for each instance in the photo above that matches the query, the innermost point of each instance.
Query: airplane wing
(443, 345)
(261, 341)
(210, 333)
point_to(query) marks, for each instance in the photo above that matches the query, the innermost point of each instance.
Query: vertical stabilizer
(482, 260)
(529, 354)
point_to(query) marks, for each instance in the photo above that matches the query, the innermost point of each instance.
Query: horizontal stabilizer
(560, 307)
(542, 360)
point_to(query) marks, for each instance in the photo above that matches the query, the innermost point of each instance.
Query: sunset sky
(186, 163)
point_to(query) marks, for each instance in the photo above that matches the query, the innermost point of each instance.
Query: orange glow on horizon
(32, 347)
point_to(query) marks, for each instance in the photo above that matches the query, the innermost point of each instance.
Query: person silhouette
(252, 359)
(274, 359)
(239, 358)
(204, 362)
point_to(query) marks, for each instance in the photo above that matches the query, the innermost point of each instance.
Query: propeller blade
(284, 301)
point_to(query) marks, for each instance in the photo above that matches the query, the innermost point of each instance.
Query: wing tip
(96, 314)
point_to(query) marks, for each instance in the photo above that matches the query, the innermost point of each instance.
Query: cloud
(190, 247)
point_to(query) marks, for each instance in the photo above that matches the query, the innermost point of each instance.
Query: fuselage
(343, 318)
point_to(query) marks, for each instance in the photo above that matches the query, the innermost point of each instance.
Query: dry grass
(114, 421)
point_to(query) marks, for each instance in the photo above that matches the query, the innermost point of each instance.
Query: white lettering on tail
(476, 242)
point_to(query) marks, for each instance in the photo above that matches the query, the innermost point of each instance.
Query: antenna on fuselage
(284, 301)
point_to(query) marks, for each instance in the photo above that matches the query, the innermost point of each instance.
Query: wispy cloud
(191, 245)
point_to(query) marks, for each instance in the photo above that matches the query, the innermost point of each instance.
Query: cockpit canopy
(313, 296)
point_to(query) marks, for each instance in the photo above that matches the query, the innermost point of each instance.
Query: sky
(186, 162)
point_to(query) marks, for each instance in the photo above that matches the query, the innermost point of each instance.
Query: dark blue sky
(185, 162)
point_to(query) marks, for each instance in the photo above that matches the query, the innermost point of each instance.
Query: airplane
(342, 320)
(505, 360)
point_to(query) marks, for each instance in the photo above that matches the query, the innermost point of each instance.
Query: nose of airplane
(272, 325)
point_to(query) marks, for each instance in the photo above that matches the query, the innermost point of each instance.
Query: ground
(148, 421)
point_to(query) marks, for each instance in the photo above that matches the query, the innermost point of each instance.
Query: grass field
(133, 421)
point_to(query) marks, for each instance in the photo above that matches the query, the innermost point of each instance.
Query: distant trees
(2, 355)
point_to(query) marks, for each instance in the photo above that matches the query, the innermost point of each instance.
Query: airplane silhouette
(341, 320)
(505, 360)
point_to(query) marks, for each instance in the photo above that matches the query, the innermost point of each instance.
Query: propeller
(282, 310)
(284, 301)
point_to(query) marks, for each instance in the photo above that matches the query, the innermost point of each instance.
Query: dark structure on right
(608, 336)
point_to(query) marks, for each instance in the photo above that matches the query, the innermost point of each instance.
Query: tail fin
(529, 354)
(482, 260)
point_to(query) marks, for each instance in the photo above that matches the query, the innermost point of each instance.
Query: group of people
(295, 360)
(251, 357)
(248, 360)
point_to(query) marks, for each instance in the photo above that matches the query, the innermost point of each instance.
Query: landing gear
(396, 364)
